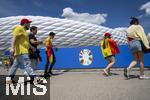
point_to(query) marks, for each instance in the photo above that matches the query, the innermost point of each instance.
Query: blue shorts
(135, 46)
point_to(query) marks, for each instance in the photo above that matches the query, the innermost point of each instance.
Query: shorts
(110, 57)
(135, 46)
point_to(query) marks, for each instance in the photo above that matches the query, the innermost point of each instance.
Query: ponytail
(104, 43)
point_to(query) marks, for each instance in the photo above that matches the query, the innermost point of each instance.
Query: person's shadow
(114, 74)
(133, 76)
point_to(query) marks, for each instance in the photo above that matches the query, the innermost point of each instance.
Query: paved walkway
(94, 86)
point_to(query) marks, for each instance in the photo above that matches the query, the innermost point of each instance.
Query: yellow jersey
(48, 43)
(22, 40)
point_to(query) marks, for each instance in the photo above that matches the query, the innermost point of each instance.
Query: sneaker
(9, 82)
(105, 72)
(39, 80)
(43, 80)
(110, 74)
(144, 77)
(25, 73)
(126, 74)
(50, 73)
(47, 75)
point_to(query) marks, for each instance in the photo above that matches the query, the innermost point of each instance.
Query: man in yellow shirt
(19, 49)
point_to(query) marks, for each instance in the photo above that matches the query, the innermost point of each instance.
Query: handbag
(144, 49)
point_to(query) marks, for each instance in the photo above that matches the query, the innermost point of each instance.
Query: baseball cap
(107, 34)
(24, 20)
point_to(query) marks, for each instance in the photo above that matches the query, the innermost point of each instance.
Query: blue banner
(72, 58)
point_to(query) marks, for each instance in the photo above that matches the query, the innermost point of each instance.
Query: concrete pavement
(95, 86)
(91, 84)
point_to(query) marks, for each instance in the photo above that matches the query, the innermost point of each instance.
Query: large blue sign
(88, 57)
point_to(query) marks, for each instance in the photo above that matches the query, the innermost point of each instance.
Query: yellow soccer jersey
(22, 40)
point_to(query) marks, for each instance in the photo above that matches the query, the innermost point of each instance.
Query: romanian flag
(50, 55)
(49, 51)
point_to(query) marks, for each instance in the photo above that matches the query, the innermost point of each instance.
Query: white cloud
(146, 7)
(98, 19)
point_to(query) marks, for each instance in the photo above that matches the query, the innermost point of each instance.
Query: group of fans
(25, 52)
(138, 45)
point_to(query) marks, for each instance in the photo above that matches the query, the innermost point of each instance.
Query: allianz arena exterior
(71, 37)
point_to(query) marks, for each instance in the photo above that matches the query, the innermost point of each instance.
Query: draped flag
(49, 51)
(110, 48)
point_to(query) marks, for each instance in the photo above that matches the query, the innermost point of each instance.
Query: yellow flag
(51, 59)
(107, 50)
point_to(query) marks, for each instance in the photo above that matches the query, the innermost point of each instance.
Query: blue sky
(109, 13)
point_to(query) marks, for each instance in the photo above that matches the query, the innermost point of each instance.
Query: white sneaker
(144, 77)
(25, 73)
(105, 72)
(8, 80)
